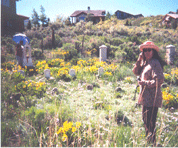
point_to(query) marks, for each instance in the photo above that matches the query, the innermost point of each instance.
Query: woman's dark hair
(18, 45)
(156, 56)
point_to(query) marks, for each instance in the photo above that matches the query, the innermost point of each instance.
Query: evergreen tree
(177, 11)
(43, 17)
(67, 21)
(29, 25)
(108, 16)
(53, 39)
(35, 18)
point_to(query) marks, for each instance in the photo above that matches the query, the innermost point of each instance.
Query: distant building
(171, 12)
(92, 15)
(10, 21)
(167, 19)
(124, 15)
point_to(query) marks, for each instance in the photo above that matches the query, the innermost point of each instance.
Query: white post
(170, 52)
(103, 53)
(100, 71)
(72, 72)
(47, 73)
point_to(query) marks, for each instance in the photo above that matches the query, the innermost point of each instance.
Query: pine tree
(108, 16)
(43, 17)
(67, 21)
(35, 18)
(29, 25)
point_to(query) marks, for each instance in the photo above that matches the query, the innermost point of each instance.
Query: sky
(65, 8)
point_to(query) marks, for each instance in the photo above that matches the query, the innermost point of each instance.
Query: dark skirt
(149, 115)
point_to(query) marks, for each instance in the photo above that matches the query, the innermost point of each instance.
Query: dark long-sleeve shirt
(151, 73)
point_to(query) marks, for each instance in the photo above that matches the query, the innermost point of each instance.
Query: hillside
(86, 38)
(90, 109)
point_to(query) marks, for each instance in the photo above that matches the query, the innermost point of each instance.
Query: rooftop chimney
(88, 9)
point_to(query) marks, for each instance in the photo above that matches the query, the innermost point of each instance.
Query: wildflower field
(96, 106)
(34, 114)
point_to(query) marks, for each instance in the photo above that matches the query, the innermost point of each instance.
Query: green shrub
(8, 65)
(17, 77)
(116, 41)
(37, 118)
(8, 129)
(35, 43)
(120, 118)
(71, 49)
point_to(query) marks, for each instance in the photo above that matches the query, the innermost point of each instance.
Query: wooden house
(91, 15)
(11, 22)
(167, 19)
(124, 15)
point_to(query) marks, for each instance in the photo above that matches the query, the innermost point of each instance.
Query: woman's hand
(140, 56)
(141, 82)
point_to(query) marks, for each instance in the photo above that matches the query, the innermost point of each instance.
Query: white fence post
(170, 52)
(103, 53)
(47, 73)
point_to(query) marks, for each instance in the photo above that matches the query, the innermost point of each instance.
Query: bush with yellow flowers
(167, 77)
(30, 71)
(55, 62)
(63, 74)
(82, 63)
(31, 88)
(172, 77)
(174, 73)
(60, 53)
(17, 76)
(68, 132)
(128, 80)
(41, 66)
(170, 98)
(8, 65)
(5, 73)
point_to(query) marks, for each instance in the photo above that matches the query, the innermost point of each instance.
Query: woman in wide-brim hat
(150, 69)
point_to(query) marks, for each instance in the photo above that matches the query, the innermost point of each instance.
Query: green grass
(95, 109)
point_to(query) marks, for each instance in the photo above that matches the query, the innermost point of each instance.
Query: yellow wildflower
(73, 129)
(78, 124)
(60, 130)
(166, 75)
(29, 84)
(108, 73)
(64, 137)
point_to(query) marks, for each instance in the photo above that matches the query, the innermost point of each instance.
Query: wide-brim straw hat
(148, 44)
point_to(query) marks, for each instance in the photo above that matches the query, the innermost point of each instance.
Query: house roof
(137, 15)
(167, 16)
(123, 12)
(95, 13)
(171, 12)
(175, 16)
(22, 16)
